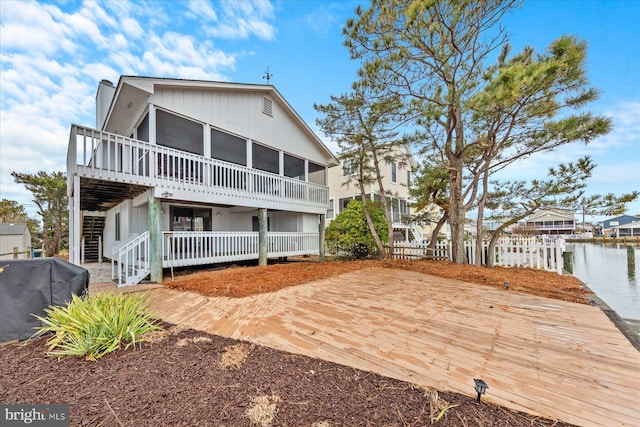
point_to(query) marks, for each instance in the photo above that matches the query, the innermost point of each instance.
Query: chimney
(104, 96)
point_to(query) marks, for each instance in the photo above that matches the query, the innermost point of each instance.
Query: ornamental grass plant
(94, 325)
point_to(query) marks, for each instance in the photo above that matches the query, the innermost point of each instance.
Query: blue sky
(53, 54)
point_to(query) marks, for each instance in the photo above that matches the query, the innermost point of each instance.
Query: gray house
(14, 236)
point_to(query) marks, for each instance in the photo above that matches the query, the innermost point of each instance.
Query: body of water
(605, 269)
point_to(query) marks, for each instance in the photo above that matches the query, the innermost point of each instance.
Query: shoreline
(630, 328)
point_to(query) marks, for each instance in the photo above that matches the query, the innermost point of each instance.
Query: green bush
(349, 231)
(94, 325)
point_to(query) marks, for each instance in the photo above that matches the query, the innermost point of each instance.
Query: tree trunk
(436, 231)
(456, 213)
(481, 204)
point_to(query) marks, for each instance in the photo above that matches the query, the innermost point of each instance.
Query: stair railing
(132, 258)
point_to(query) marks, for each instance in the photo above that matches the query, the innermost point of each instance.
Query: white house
(397, 177)
(14, 236)
(548, 221)
(184, 172)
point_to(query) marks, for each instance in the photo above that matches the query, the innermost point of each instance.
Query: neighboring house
(548, 221)
(621, 224)
(397, 177)
(185, 172)
(14, 236)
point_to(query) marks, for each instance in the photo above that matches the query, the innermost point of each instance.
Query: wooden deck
(546, 357)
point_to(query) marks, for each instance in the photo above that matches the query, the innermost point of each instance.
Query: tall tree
(50, 196)
(365, 126)
(432, 53)
(515, 115)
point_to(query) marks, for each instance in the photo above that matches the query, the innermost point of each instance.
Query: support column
(74, 226)
(321, 236)
(155, 240)
(262, 236)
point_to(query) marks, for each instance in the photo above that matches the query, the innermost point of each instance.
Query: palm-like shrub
(94, 325)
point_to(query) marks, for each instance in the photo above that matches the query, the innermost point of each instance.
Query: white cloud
(242, 19)
(53, 55)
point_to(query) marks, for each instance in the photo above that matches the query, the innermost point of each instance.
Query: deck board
(546, 357)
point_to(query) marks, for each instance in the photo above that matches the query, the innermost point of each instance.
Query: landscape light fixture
(506, 285)
(481, 387)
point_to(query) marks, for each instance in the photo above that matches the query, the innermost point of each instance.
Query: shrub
(94, 325)
(350, 231)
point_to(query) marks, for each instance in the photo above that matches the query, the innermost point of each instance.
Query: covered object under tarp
(29, 286)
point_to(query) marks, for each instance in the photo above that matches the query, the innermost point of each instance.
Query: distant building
(14, 236)
(397, 177)
(621, 226)
(548, 221)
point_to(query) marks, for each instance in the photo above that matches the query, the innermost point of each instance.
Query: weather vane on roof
(267, 75)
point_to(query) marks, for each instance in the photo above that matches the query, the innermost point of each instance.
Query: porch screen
(228, 148)
(317, 174)
(265, 158)
(293, 167)
(181, 134)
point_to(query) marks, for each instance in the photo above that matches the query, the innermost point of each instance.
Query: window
(394, 172)
(118, 227)
(317, 174)
(228, 148)
(408, 178)
(330, 211)
(611, 223)
(348, 168)
(342, 204)
(190, 219)
(293, 167)
(179, 133)
(265, 158)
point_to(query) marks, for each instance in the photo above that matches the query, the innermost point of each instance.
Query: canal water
(606, 270)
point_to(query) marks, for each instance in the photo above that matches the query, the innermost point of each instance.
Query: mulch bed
(184, 377)
(239, 282)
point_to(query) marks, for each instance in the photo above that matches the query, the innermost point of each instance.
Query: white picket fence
(531, 252)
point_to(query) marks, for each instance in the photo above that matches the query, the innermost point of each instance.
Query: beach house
(189, 172)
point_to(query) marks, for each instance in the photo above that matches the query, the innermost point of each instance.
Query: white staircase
(130, 261)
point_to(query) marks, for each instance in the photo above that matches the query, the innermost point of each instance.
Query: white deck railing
(108, 156)
(184, 248)
(292, 244)
(541, 254)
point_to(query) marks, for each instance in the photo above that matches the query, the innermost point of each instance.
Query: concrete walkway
(546, 357)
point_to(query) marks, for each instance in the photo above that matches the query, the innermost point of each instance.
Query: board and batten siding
(240, 113)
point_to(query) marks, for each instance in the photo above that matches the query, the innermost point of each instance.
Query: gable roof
(132, 92)
(551, 212)
(17, 229)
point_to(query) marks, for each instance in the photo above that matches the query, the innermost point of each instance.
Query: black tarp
(29, 286)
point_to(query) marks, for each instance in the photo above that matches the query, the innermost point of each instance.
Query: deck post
(155, 240)
(321, 237)
(262, 236)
